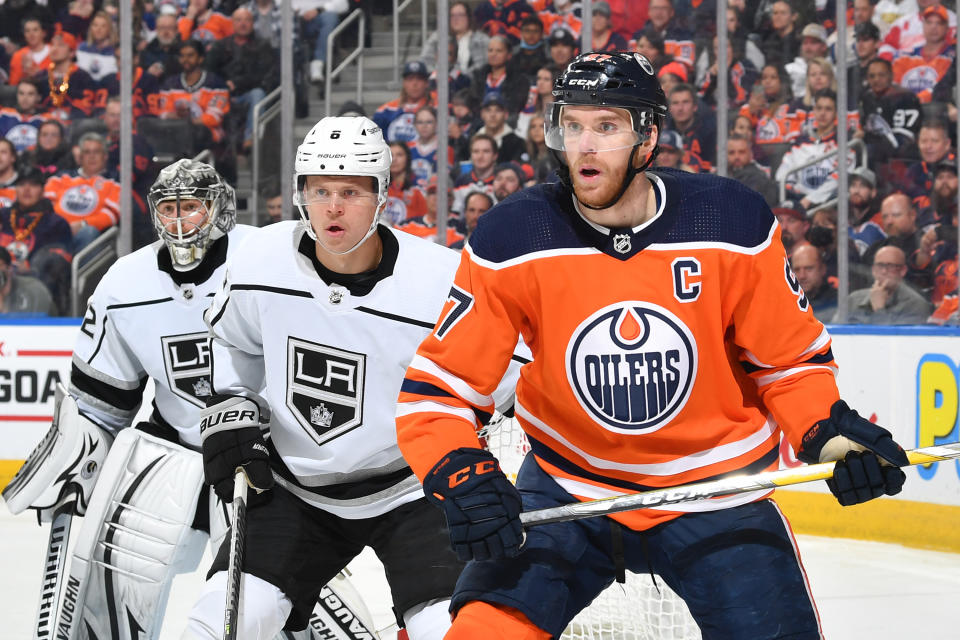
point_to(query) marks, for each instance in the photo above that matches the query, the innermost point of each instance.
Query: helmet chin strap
(632, 173)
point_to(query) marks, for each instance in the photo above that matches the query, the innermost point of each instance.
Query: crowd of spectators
(207, 62)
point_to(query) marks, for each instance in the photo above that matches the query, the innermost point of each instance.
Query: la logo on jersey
(324, 388)
(186, 358)
(631, 366)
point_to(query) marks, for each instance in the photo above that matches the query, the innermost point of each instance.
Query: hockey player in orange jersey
(672, 344)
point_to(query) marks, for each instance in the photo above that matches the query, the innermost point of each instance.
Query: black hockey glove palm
(481, 505)
(230, 431)
(868, 459)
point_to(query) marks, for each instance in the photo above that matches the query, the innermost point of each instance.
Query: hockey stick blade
(724, 487)
(54, 569)
(238, 531)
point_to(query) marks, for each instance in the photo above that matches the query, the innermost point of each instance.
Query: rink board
(905, 378)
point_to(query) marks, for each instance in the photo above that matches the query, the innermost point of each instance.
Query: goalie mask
(191, 207)
(614, 80)
(342, 146)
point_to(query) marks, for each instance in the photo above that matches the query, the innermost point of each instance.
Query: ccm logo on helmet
(583, 82)
(631, 366)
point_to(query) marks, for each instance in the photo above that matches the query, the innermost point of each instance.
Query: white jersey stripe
(431, 406)
(770, 378)
(459, 387)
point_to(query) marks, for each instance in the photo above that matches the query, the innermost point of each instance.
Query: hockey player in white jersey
(147, 511)
(325, 313)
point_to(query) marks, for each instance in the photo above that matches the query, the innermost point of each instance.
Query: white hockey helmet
(343, 146)
(186, 180)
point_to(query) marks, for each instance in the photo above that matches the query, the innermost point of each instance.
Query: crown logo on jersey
(622, 243)
(321, 416)
(202, 388)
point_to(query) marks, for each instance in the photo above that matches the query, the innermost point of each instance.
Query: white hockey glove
(230, 431)
(65, 465)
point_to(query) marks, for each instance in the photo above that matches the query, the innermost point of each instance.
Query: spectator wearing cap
(813, 44)
(604, 37)
(508, 178)
(794, 225)
(71, 88)
(889, 300)
(934, 147)
(502, 17)
(160, 57)
(907, 33)
(890, 116)
(21, 294)
(493, 113)
(483, 160)
(864, 229)
(201, 23)
(396, 117)
(404, 199)
(476, 203)
(318, 19)
(866, 49)
(678, 42)
(196, 95)
(36, 237)
(781, 41)
(471, 44)
(531, 53)
(672, 155)
(943, 197)
(425, 226)
(246, 63)
(922, 68)
(672, 75)
(697, 127)
(808, 265)
(8, 172)
(496, 78)
(563, 47)
(34, 56)
(744, 169)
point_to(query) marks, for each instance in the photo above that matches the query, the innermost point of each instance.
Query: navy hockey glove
(230, 432)
(481, 505)
(868, 459)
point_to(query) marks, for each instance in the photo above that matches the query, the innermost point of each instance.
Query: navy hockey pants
(737, 569)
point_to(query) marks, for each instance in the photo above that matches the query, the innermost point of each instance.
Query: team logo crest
(621, 243)
(631, 366)
(79, 200)
(324, 388)
(644, 63)
(187, 361)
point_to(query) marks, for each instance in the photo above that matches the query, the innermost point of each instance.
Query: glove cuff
(820, 433)
(457, 468)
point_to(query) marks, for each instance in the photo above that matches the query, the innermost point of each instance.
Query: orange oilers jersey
(207, 99)
(917, 73)
(215, 27)
(8, 195)
(671, 353)
(95, 200)
(422, 229)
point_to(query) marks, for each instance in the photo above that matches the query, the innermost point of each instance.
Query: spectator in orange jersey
(678, 42)
(921, 69)
(88, 198)
(198, 96)
(495, 17)
(201, 23)
(404, 199)
(33, 57)
(425, 226)
(562, 15)
(8, 173)
(906, 34)
(72, 89)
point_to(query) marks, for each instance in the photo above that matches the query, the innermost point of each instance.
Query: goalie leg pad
(135, 538)
(63, 466)
(263, 610)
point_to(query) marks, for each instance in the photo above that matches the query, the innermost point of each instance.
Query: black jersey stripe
(396, 318)
(424, 389)
(215, 320)
(123, 399)
(521, 359)
(262, 287)
(103, 334)
(142, 303)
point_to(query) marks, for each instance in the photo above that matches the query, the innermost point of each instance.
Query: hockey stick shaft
(235, 566)
(54, 570)
(723, 487)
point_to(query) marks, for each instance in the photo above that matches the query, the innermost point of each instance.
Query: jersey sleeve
(236, 346)
(779, 342)
(450, 386)
(106, 378)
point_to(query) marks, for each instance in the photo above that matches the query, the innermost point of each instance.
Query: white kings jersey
(140, 323)
(331, 359)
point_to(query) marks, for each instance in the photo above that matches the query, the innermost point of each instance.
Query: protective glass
(598, 135)
(349, 197)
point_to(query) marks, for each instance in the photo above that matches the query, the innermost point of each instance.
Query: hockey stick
(235, 567)
(723, 487)
(54, 568)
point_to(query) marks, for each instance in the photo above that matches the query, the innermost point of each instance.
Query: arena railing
(88, 266)
(398, 8)
(356, 54)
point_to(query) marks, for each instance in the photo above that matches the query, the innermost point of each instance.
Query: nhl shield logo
(187, 361)
(632, 365)
(621, 243)
(324, 388)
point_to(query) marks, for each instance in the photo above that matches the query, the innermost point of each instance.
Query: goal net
(635, 610)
